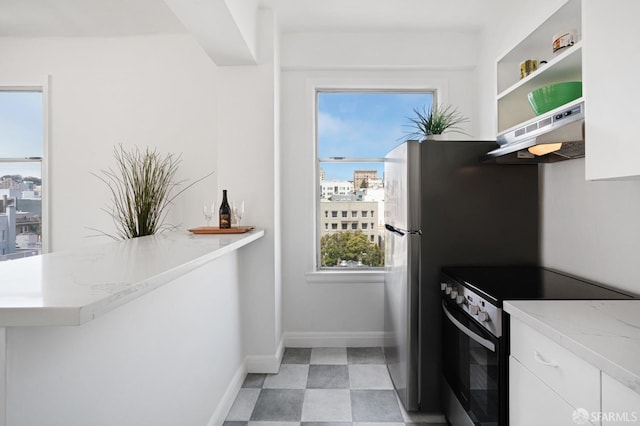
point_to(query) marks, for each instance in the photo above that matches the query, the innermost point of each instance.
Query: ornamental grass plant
(434, 121)
(142, 188)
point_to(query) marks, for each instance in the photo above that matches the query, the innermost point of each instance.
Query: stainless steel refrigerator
(444, 207)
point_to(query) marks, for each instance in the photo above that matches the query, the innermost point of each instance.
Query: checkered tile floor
(338, 386)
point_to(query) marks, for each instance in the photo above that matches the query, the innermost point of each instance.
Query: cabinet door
(574, 379)
(532, 403)
(620, 405)
(611, 39)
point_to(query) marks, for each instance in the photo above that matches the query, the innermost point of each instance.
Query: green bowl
(552, 96)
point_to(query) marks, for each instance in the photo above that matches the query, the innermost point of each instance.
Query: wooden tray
(216, 230)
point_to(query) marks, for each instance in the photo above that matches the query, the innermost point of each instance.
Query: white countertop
(75, 286)
(603, 333)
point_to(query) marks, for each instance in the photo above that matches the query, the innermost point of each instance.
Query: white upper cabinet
(566, 65)
(611, 91)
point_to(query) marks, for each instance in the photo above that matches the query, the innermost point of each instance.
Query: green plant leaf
(434, 121)
(142, 188)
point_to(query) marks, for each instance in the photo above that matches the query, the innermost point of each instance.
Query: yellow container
(527, 67)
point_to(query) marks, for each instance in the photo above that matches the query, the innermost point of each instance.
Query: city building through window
(355, 130)
(21, 177)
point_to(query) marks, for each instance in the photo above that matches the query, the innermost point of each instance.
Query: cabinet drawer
(574, 379)
(620, 405)
(532, 403)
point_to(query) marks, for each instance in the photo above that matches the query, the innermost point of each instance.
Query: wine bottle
(225, 212)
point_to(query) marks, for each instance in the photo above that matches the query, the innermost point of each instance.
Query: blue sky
(354, 124)
(20, 131)
(359, 124)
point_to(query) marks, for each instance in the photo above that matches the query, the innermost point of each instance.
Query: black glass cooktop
(499, 283)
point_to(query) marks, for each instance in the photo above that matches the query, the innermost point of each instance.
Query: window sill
(348, 277)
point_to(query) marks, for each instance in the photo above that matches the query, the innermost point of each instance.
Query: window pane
(354, 237)
(362, 127)
(20, 124)
(20, 210)
(21, 137)
(356, 124)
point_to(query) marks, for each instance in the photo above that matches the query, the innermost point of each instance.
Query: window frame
(394, 81)
(43, 88)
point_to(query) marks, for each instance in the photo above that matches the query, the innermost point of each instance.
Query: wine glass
(207, 210)
(237, 211)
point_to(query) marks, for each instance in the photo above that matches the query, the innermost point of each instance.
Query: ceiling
(86, 18)
(31, 18)
(383, 15)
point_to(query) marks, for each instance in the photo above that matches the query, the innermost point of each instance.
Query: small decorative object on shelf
(527, 67)
(563, 40)
(437, 120)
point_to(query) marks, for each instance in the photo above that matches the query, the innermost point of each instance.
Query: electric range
(475, 332)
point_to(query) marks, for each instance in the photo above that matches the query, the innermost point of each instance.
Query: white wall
(248, 111)
(346, 311)
(589, 229)
(156, 91)
(167, 358)
(164, 91)
(400, 51)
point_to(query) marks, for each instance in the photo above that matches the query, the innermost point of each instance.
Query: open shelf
(564, 67)
(512, 103)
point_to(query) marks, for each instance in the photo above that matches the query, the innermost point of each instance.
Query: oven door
(471, 368)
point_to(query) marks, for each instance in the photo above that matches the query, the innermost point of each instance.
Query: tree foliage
(351, 247)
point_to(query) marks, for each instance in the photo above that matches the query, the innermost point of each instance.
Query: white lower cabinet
(620, 405)
(574, 379)
(548, 384)
(532, 403)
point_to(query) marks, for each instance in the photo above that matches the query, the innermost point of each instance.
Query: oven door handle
(479, 339)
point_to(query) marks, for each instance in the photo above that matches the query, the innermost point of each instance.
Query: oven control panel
(479, 309)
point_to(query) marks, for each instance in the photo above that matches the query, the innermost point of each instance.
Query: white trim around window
(43, 86)
(314, 85)
(346, 277)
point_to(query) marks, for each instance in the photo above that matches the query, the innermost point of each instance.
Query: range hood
(555, 136)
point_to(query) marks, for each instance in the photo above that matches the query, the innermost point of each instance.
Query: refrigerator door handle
(481, 340)
(401, 231)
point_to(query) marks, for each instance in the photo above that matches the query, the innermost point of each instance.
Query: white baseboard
(251, 364)
(229, 396)
(269, 364)
(327, 339)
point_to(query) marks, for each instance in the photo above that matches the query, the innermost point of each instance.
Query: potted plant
(429, 124)
(142, 187)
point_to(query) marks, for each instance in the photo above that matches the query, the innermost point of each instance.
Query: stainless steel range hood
(555, 136)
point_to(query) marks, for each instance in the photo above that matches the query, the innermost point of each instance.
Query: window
(326, 213)
(334, 214)
(355, 130)
(326, 226)
(22, 144)
(334, 226)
